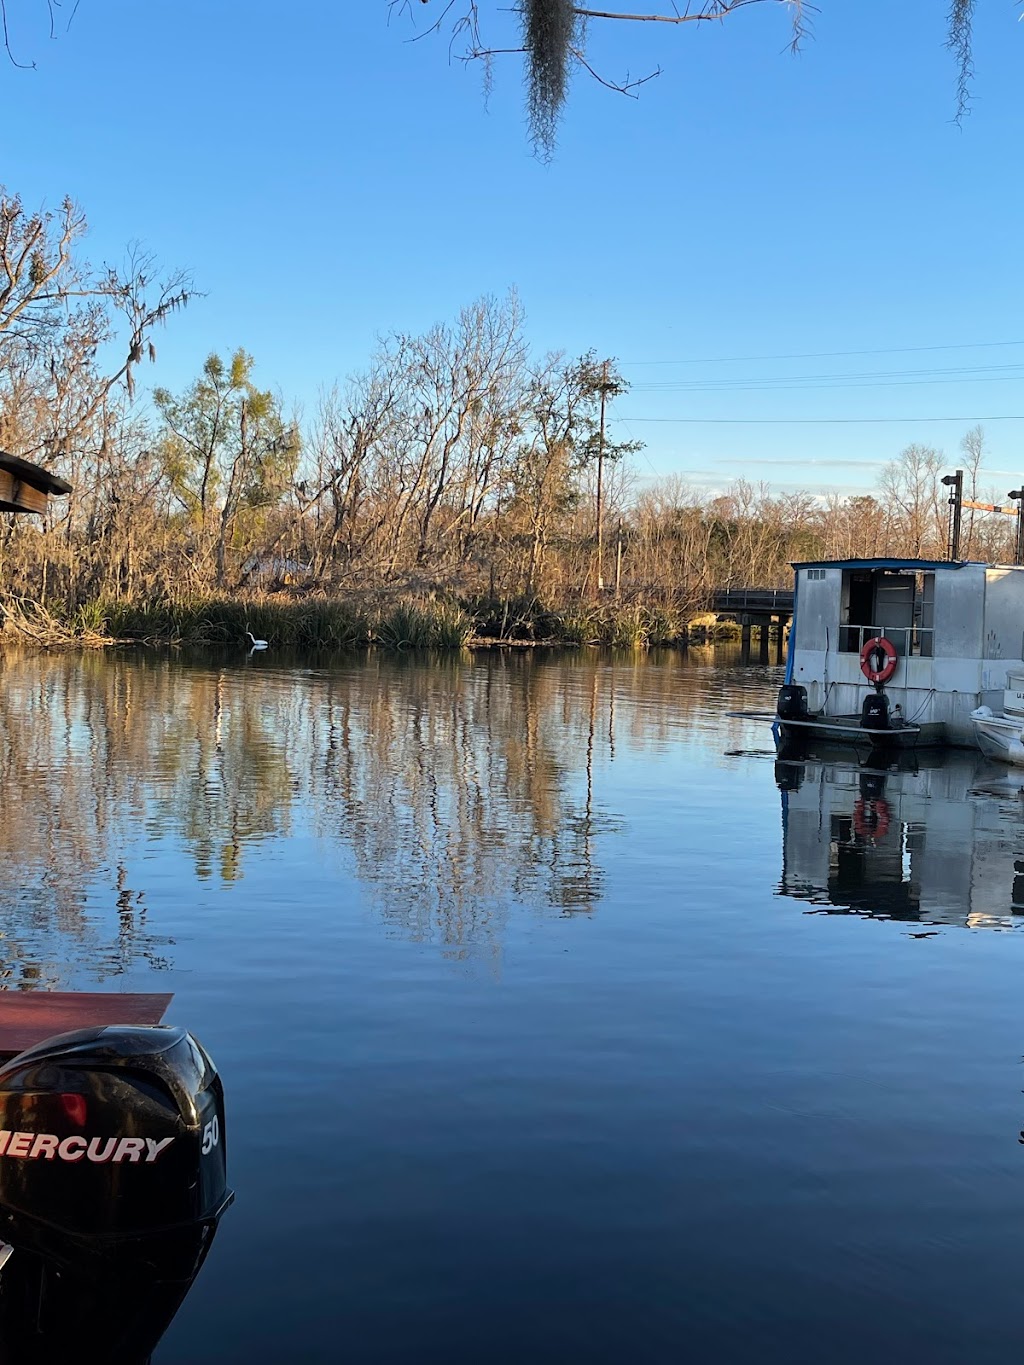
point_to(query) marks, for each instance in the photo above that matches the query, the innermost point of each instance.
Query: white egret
(256, 644)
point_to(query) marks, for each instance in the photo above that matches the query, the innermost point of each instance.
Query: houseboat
(901, 652)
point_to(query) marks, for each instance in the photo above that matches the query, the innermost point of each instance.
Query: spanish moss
(961, 16)
(549, 30)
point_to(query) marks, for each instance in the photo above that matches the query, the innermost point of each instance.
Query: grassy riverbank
(325, 623)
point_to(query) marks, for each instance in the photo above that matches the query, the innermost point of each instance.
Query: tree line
(458, 463)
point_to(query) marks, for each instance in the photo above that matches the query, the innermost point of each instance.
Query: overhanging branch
(718, 11)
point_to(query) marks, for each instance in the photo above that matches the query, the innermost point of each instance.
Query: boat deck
(848, 729)
(27, 1017)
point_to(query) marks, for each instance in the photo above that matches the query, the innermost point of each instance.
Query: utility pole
(955, 484)
(600, 482)
(1017, 494)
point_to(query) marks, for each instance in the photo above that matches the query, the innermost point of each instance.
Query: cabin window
(815, 575)
(899, 605)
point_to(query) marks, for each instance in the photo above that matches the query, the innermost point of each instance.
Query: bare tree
(70, 337)
(349, 430)
(910, 486)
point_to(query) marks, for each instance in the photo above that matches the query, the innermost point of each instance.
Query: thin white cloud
(813, 463)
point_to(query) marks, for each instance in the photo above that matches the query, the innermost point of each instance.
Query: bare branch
(22, 66)
(625, 87)
(52, 6)
(719, 9)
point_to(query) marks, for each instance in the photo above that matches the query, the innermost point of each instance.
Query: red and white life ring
(878, 659)
(871, 819)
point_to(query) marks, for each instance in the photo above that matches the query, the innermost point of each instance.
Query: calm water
(552, 1029)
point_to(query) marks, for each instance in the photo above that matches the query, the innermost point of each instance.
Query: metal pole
(600, 482)
(1017, 494)
(955, 483)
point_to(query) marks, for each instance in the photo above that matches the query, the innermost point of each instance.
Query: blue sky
(326, 180)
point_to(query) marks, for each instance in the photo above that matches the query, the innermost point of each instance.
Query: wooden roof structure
(27, 487)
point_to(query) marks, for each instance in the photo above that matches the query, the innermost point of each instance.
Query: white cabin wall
(1004, 614)
(817, 609)
(816, 630)
(955, 670)
(1003, 632)
(959, 612)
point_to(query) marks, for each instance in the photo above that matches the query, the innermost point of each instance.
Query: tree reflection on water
(454, 786)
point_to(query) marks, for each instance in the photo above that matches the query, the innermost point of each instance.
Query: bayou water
(560, 1019)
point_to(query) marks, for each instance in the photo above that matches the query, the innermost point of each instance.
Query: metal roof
(912, 565)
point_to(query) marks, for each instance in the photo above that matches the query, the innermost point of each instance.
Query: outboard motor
(789, 776)
(112, 1183)
(792, 703)
(874, 714)
(872, 786)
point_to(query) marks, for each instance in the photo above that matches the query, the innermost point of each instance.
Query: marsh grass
(433, 625)
(408, 624)
(220, 621)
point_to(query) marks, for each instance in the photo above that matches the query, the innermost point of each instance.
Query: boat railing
(908, 640)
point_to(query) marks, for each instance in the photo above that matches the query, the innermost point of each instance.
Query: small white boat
(1000, 734)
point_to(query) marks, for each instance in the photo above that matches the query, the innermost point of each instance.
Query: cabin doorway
(898, 605)
(861, 608)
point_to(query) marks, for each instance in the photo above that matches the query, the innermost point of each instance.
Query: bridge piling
(780, 642)
(758, 608)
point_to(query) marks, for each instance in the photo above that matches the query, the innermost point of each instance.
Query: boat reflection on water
(929, 838)
(72, 1310)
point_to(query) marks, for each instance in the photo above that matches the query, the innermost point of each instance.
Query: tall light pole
(955, 484)
(1017, 494)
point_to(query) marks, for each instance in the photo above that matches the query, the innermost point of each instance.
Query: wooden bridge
(757, 609)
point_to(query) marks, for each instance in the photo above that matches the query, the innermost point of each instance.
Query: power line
(817, 421)
(778, 387)
(822, 355)
(643, 450)
(878, 379)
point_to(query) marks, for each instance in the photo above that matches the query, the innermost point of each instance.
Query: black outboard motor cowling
(112, 1182)
(792, 703)
(789, 776)
(874, 714)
